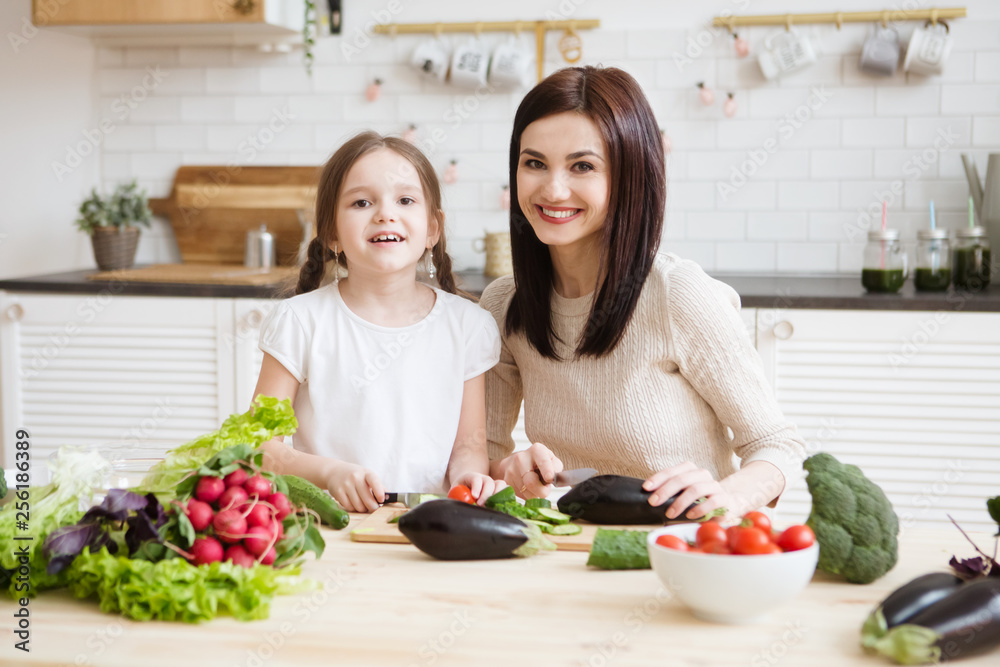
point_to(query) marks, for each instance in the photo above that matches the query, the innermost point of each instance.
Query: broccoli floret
(854, 522)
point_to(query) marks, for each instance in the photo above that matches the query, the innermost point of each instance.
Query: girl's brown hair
(330, 184)
(615, 103)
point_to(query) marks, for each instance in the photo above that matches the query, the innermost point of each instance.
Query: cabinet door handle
(15, 312)
(783, 330)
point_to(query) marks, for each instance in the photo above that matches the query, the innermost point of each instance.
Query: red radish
(259, 540)
(209, 489)
(236, 478)
(278, 527)
(229, 525)
(199, 514)
(282, 506)
(260, 515)
(269, 556)
(258, 486)
(234, 496)
(240, 556)
(206, 550)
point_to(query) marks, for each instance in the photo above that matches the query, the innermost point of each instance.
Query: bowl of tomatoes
(736, 574)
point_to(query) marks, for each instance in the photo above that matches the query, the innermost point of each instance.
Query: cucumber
(538, 503)
(502, 497)
(553, 516)
(619, 550)
(565, 529)
(304, 493)
(543, 526)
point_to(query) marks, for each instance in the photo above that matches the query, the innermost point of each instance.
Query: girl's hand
(356, 488)
(532, 471)
(482, 486)
(693, 483)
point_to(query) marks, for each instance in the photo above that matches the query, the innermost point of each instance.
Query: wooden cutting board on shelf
(376, 528)
(200, 274)
(211, 208)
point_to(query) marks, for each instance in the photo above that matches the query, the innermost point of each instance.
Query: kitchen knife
(411, 500)
(573, 477)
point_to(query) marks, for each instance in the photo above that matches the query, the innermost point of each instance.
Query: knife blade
(573, 477)
(411, 500)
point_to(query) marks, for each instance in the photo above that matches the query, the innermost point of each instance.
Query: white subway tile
(677, 167)
(462, 195)
(734, 133)
(362, 111)
(396, 78)
(172, 81)
(495, 136)
(745, 256)
(150, 110)
(940, 130)
(232, 80)
(753, 195)
(735, 167)
(856, 102)
(691, 135)
(740, 74)
(179, 138)
(207, 109)
(921, 100)
(319, 108)
(807, 195)
(964, 99)
(807, 257)
(111, 57)
(291, 80)
(908, 164)
(775, 102)
(129, 139)
(831, 225)
(116, 166)
(836, 164)
(352, 80)
(660, 44)
(960, 68)
(205, 56)
(712, 164)
(826, 70)
(701, 253)
(155, 166)
(454, 138)
(805, 131)
(952, 195)
(691, 196)
(330, 136)
(974, 35)
(986, 130)
(309, 158)
(850, 259)
(226, 138)
(869, 195)
(251, 56)
(873, 132)
(777, 226)
(715, 225)
(987, 66)
(673, 226)
(259, 108)
(143, 56)
(673, 75)
(606, 44)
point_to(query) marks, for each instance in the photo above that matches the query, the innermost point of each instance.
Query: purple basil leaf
(154, 510)
(144, 525)
(116, 506)
(969, 568)
(64, 544)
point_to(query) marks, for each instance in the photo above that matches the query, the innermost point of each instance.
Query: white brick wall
(842, 136)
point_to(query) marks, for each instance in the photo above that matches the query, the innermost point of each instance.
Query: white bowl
(729, 588)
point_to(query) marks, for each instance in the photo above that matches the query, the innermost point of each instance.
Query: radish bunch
(236, 518)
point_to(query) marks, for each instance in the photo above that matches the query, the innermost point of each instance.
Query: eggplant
(616, 499)
(965, 622)
(452, 530)
(905, 602)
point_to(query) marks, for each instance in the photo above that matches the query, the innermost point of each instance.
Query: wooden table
(390, 605)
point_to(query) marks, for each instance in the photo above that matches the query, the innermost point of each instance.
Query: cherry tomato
(749, 541)
(461, 493)
(796, 538)
(718, 547)
(772, 548)
(710, 531)
(672, 542)
(759, 520)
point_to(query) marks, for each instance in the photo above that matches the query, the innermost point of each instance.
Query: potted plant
(113, 224)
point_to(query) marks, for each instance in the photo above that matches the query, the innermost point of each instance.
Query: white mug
(784, 52)
(929, 49)
(880, 54)
(469, 64)
(431, 59)
(510, 66)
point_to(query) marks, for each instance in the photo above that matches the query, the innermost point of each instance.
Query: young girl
(386, 374)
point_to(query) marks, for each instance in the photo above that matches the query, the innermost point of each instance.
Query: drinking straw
(935, 254)
(972, 215)
(883, 214)
(932, 214)
(882, 253)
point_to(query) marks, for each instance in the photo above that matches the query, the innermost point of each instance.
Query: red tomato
(759, 520)
(710, 531)
(461, 493)
(749, 541)
(672, 542)
(796, 538)
(716, 548)
(731, 533)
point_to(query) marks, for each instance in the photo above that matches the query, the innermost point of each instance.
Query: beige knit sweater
(684, 370)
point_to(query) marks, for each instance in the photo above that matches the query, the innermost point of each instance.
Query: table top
(386, 604)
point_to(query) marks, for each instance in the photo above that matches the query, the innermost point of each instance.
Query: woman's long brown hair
(615, 103)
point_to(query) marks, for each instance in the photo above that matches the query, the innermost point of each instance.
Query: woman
(628, 361)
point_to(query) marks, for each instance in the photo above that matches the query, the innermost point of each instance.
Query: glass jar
(933, 260)
(884, 268)
(971, 258)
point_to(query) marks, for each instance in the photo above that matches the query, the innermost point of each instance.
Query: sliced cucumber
(565, 529)
(553, 516)
(538, 503)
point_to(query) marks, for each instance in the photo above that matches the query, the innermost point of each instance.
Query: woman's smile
(558, 215)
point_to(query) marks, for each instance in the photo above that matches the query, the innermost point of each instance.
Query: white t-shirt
(386, 398)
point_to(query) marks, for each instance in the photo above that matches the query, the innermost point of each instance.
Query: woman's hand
(481, 486)
(693, 483)
(532, 471)
(356, 488)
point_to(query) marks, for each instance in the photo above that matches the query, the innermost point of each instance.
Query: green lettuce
(269, 418)
(175, 590)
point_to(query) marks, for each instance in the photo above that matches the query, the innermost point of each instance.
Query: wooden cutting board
(200, 274)
(375, 528)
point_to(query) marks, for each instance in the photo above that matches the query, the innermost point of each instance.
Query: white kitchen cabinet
(113, 371)
(913, 398)
(248, 315)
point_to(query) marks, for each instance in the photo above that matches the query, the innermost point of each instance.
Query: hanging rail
(539, 28)
(885, 16)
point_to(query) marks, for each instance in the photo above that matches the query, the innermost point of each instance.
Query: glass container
(933, 272)
(971, 265)
(884, 268)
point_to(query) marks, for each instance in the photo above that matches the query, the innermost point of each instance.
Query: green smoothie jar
(971, 265)
(933, 272)
(884, 268)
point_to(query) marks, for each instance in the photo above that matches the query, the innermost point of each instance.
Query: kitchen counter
(388, 604)
(831, 292)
